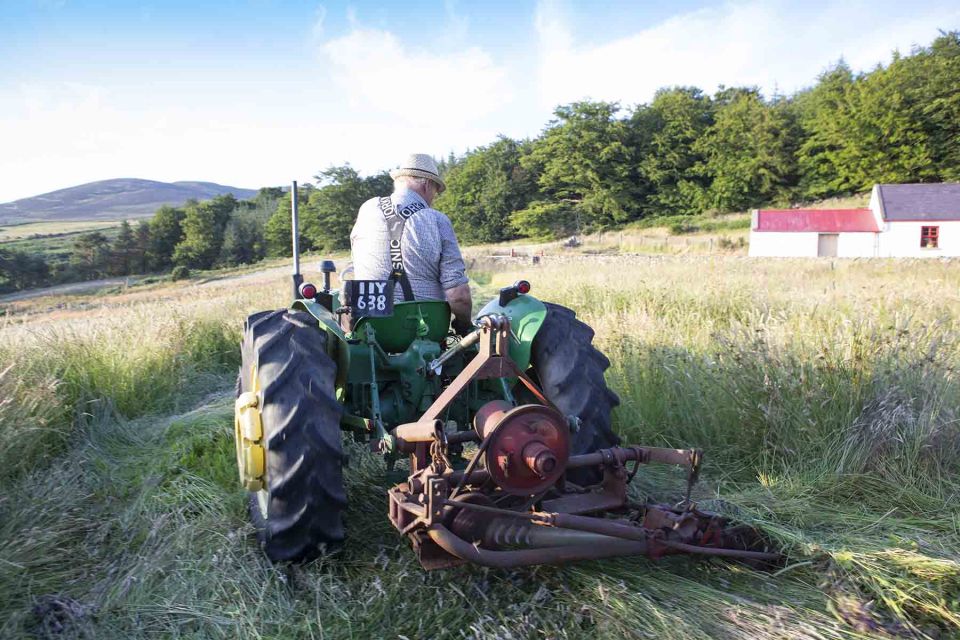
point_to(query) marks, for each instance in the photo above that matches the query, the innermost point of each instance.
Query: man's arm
(453, 278)
(461, 303)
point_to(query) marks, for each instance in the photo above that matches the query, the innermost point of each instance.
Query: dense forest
(596, 165)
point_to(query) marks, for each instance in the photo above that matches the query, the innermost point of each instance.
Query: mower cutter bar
(515, 503)
(593, 550)
(447, 529)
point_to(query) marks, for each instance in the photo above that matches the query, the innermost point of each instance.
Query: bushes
(180, 272)
(679, 225)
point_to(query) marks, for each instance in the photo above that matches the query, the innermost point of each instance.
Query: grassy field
(825, 393)
(681, 235)
(60, 227)
(53, 241)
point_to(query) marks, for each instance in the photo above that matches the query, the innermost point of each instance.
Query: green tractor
(512, 459)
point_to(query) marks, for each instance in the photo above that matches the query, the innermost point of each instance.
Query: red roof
(823, 220)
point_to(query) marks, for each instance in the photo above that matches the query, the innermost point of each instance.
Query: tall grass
(127, 361)
(824, 393)
(806, 363)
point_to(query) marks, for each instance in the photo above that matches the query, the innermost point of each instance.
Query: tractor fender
(337, 342)
(526, 315)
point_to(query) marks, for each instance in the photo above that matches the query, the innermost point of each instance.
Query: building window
(929, 237)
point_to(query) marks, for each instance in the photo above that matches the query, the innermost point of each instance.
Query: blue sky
(260, 92)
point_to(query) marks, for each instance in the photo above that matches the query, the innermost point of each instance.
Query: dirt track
(75, 287)
(94, 285)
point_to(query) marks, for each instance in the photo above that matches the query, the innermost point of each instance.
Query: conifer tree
(123, 251)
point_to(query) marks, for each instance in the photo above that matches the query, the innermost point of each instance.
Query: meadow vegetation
(35, 230)
(825, 394)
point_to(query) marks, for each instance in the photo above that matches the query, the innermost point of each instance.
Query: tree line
(596, 165)
(219, 232)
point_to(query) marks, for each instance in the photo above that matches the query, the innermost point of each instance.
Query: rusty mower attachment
(514, 505)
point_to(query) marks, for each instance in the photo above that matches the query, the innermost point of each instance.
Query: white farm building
(902, 221)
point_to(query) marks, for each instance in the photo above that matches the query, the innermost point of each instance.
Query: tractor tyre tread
(571, 374)
(301, 434)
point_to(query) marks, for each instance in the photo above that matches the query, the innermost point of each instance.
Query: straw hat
(419, 165)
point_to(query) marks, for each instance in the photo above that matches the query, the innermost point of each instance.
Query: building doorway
(827, 245)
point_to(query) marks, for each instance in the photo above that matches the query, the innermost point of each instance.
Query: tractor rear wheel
(570, 372)
(299, 509)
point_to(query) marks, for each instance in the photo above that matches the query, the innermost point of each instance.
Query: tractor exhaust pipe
(295, 231)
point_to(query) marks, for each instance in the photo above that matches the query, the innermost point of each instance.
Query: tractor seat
(397, 332)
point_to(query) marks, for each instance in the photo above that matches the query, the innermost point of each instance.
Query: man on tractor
(526, 386)
(402, 238)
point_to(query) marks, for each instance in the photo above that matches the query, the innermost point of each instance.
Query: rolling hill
(115, 199)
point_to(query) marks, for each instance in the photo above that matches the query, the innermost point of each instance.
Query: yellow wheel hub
(248, 435)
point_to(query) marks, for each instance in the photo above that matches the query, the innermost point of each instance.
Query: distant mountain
(116, 199)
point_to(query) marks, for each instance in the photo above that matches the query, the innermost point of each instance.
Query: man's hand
(461, 303)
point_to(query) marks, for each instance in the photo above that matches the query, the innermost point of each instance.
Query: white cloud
(391, 96)
(319, 18)
(769, 44)
(456, 26)
(380, 74)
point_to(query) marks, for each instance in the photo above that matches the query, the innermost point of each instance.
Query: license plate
(370, 298)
